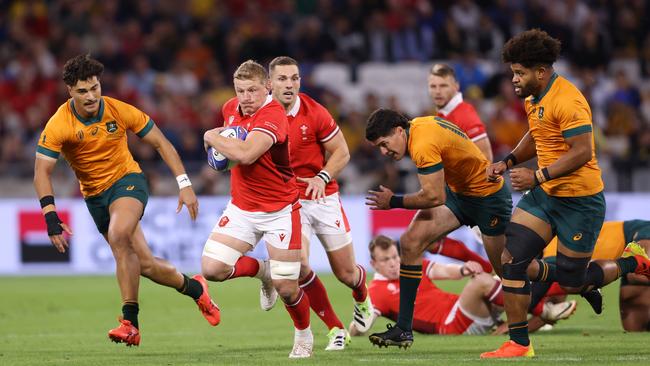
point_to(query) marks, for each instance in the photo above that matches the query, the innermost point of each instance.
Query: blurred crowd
(174, 60)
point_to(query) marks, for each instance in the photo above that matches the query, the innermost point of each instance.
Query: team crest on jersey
(224, 221)
(94, 130)
(80, 135)
(540, 113)
(303, 129)
(111, 126)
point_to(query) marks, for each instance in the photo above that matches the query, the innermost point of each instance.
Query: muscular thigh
(430, 224)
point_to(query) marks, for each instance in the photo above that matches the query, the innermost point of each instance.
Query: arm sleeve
(272, 124)
(473, 126)
(135, 119)
(426, 156)
(574, 117)
(327, 127)
(52, 138)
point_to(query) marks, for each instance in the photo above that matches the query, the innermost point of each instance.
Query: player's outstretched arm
(431, 194)
(43, 167)
(452, 271)
(186, 195)
(339, 156)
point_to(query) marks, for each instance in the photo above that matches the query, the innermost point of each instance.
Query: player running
(90, 130)
(264, 202)
(314, 135)
(453, 192)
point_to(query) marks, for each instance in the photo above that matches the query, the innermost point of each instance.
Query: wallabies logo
(111, 126)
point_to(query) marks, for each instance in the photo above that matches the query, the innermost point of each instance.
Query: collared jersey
(560, 112)
(435, 143)
(96, 148)
(267, 185)
(431, 303)
(463, 115)
(310, 126)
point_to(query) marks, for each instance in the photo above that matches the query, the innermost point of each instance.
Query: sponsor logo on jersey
(80, 135)
(94, 130)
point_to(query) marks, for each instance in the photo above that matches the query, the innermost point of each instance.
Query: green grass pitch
(64, 321)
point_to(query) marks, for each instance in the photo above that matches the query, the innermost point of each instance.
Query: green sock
(519, 333)
(191, 288)
(130, 312)
(409, 280)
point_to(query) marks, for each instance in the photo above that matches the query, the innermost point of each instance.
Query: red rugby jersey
(310, 126)
(463, 115)
(268, 184)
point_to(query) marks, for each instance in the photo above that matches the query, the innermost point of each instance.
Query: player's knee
(119, 239)
(410, 245)
(571, 272)
(218, 260)
(482, 281)
(305, 271)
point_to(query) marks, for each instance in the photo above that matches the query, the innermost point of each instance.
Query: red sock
(496, 294)
(537, 310)
(299, 311)
(360, 291)
(318, 300)
(456, 249)
(245, 267)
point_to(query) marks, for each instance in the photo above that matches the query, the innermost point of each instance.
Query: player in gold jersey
(454, 192)
(91, 133)
(564, 196)
(634, 293)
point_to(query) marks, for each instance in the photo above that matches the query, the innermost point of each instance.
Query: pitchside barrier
(26, 249)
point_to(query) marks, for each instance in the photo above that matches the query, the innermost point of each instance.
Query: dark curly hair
(382, 121)
(531, 48)
(81, 67)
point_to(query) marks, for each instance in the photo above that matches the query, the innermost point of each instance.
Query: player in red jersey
(438, 312)
(264, 202)
(313, 134)
(445, 93)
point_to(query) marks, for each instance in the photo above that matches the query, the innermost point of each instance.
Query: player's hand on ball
(315, 187)
(496, 170)
(379, 200)
(522, 179)
(210, 135)
(187, 197)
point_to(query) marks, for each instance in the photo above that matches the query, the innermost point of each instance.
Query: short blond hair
(250, 70)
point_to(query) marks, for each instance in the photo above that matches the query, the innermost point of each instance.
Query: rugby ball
(217, 160)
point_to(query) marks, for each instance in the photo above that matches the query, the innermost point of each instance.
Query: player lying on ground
(634, 296)
(474, 311)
